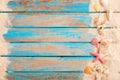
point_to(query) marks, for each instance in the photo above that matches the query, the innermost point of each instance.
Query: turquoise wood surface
(53, 44)
(49, 35)
(50, 5)
(48, 63)
(70, 75)
(32, 20)
(50, 49)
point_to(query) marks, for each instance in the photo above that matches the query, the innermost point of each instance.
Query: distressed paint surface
(50, 5)
(47, 63)
(47, 43)
(50, 49)
(49, 35)
(22, 20)
(45, 76)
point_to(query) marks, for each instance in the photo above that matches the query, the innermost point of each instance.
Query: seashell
(96, 7)
(88, 70)
(104, 3)
(95, 42)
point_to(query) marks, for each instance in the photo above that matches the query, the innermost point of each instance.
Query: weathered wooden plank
(44, 76)
(47, 63)
(19, 20)
(50, 5)
(50, 49)
(49, 35)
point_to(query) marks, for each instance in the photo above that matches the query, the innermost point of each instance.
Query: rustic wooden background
(49, 39)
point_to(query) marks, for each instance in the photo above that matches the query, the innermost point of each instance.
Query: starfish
(98, 56)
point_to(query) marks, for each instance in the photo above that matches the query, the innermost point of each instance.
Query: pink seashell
(95, 42)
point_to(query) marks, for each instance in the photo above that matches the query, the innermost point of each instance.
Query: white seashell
(105, 3)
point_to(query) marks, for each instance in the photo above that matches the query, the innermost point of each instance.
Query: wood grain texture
(32, 20)
(50, 5)
(47, 63)
(49, 35)
(44, 76)
(50, 49)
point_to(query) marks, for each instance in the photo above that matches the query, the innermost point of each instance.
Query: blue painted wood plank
(47, 63)
(44, 76)
(50, 49)
(50, 5)
(49, 35)
(32, 20)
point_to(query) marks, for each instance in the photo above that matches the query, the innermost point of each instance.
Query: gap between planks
(50, 56)
(44, 71)
(51, 12)
(54, 12)
(57, 27)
